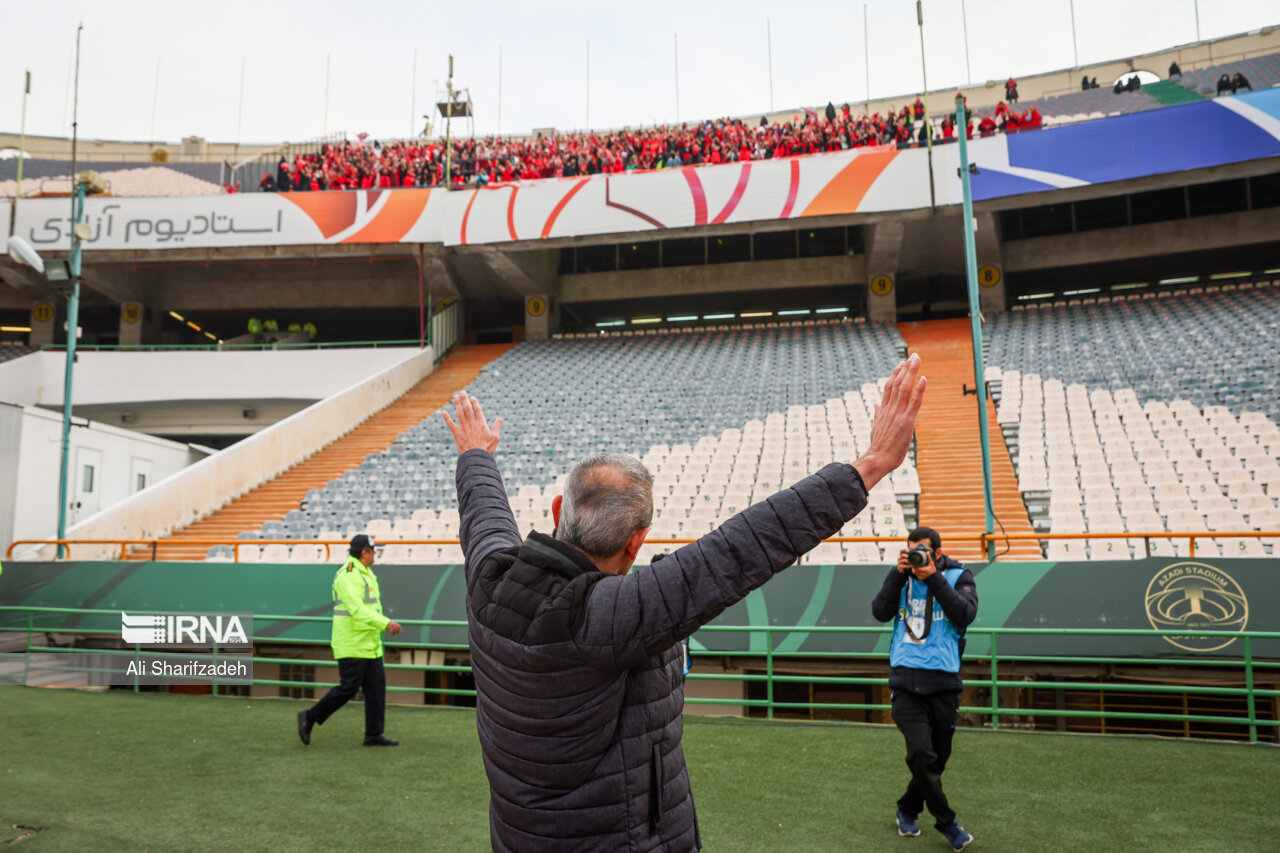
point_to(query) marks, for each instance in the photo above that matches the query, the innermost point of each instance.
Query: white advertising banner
(860, 180)
(251, 219)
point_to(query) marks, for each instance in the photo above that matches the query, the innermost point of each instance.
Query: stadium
(219, 362)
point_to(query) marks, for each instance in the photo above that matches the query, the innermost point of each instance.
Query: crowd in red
(492, 160)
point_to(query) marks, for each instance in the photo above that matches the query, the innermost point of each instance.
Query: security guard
(358, 624)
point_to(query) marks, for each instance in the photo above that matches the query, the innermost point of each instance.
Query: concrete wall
(118, 378)
(1155, 239)
(30, 453)
(204, 487)
(713, 278)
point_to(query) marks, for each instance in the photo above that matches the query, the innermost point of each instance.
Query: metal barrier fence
(1248, 667)
(984, 539)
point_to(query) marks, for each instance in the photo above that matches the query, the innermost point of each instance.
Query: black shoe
(379, 740)
(304, 727)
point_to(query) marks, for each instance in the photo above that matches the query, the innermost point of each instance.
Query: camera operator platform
(932, 599)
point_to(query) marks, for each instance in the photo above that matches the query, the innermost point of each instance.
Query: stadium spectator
(1224, 83)
(268, 183)
(1239, 82)
(284, 181)
(1011, 90)
(358, 624)
(495, 160)
(578, 662)
(931, 600)
(1084, 83)
(1175, 73)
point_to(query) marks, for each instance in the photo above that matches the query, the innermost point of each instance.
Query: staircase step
(949, 449)
(274, 498)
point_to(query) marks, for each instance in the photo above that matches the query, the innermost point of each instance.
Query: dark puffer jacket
(578, 672)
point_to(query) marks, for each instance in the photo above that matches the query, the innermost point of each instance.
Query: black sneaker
(379, 740)
(304, 727)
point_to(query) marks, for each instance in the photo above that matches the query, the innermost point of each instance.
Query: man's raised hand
(895, 422)
(472, 431)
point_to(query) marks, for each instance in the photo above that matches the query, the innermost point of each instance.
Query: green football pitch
(157, 772)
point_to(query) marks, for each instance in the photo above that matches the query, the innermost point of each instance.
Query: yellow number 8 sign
(536, 306)
(42, 312)
(989, 276)
(882, 285)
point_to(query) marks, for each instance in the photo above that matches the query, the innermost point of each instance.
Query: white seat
(273, 554)
(1067, 549)
(395, 554)
(310, 553)
(1108, 549)
(1240, 546)
(1168, 547)
(378, 528)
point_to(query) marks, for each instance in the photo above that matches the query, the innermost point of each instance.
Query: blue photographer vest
(940, 649)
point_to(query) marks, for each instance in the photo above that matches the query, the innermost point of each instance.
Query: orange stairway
(949, 452)
(274, 498)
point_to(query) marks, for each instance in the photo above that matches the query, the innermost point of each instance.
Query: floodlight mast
(73, 313)
(975, 320)
(448, 121)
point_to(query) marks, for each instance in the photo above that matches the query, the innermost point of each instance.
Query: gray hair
(607, 498)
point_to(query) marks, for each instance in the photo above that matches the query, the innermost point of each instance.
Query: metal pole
(975, 319)
(22, 143)
(1075, 49)
(928, 135)
(448, 129)
(676, 37)
(328, 65)
(155, 98)
(1197, 20)
(768, 30)
(73, 308)
(964, 23)
(240, 115)
(866, 55)
(422, 332)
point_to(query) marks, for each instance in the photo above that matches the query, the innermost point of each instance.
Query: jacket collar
(553, 555)
(944, 562)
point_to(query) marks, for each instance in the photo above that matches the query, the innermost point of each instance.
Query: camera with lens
(919, 556)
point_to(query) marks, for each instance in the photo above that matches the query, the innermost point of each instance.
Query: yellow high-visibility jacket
(358, 622)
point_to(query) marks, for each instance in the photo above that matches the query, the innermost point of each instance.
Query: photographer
(933, 599)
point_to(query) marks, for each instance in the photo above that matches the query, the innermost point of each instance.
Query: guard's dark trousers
(356, 674)
(928, 723)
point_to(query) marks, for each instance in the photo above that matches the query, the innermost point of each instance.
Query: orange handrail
(981, 538)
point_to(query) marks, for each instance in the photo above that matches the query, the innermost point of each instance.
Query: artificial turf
(157, 772)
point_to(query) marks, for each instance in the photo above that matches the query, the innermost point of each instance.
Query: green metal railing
(1245, 669)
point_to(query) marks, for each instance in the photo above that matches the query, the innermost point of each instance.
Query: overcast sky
(818, 56)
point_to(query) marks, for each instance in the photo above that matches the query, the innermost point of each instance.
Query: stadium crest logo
(1196, 596)
(208, 629)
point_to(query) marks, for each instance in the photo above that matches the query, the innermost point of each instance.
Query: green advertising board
(1170, 595)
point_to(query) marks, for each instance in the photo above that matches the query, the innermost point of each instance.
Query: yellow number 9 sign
(536, 306)
(882, 285)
